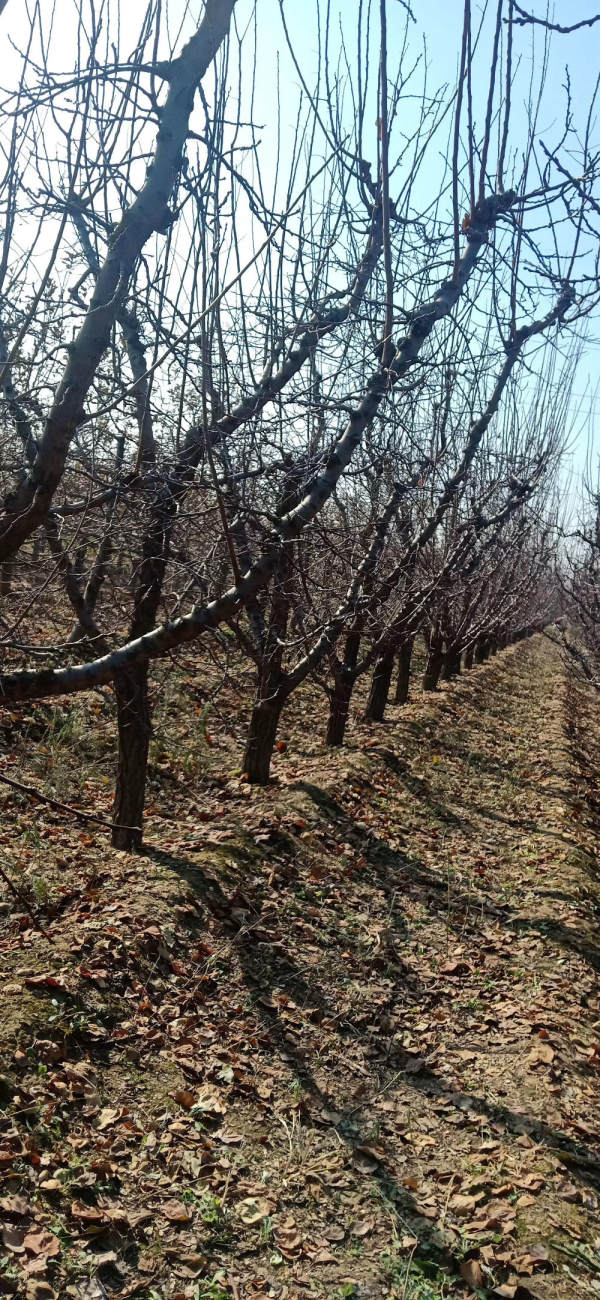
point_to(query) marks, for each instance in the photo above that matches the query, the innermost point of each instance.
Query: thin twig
(552, 27)
(378, 1093)
(63, 807)
(14, 889)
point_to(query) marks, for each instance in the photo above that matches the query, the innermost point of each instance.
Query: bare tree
(279, 374)
(578, 627)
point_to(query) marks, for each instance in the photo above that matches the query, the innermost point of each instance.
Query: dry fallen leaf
(41, 1242)
(208, 1102)
(533, 1182)
(13, 1238)
(454, 968)
(462, 1204)
(472, 1272)
(253, 1210)
(363, 1227)
(15, 1205)
(45, 981)
(287, 1236)
(37, 1290)
(532, 1259)
(336, 1233)
(176, 1212)
(108, 1116)
(367, 1158)
(186, 1263)
(91, 1289)
(86, 1213)
(322, 1256)
(541, 1053)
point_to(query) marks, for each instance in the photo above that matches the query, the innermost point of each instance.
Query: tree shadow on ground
(581, 1159)
(492, 766)
(394, 867)
(267, 967)
(419, 787)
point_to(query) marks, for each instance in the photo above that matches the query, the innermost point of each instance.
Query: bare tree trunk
(261, 737)
(451, 665)
(480, 651)
(469, 656)
(380, 687)
(404, 662)
(6, 576)
(271, 691)
(94, 584)
(434, 665)
(133, 723)
(339, 709)
(79, 560)
(345, 680)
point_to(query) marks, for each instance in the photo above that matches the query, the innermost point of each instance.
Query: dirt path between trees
(339, 1037)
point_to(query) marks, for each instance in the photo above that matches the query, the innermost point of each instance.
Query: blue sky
(437, 30)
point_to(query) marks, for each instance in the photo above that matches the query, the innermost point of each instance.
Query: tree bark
(451, 665)
(261, 738)
(271, 686)
(6, 576)
(345, 680)
(133, 723)
(380, 687)
(339, 709)
(433, 667)
(469, 656)
(404, 662)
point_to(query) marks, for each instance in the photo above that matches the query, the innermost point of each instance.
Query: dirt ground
(338, 1037)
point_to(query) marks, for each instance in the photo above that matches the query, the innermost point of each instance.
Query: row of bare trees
(578, 574)
(293, 377)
